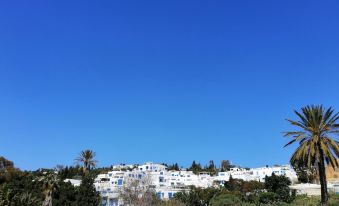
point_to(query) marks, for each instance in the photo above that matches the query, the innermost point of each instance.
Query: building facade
(166, 183)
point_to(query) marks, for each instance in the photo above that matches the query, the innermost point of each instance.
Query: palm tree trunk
(322, 177)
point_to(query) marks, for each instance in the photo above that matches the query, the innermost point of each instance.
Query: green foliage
(196, 196)
(317, 146)
(334, 200)
(211, 168)
(87, 195)
(171, 202)
(31, 188)
(174, 167)
(71, 173)
(225, 200)
(9, 198)
(305, 175)
(243, 186)
(280, 186)
(21, 190)
(22, 182)
(26, 199)
(66, 195)
(86, 158)
(225, 165)
(196, 168)
(303, 200)
(268, 197)
(84, 195)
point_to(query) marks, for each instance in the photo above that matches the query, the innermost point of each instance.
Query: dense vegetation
(45, 187)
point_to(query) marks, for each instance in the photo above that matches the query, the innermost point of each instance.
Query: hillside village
(166, 182)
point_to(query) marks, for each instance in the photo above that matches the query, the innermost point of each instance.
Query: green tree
(305, 175)
(21, 190)
(225, 165)
(86, 158)
(66, 195)
(87, 195)
(238, 185)
(279, 184)
(196, 168)
(174, 167)
(232, 184)
(71, 173)
(316, 145)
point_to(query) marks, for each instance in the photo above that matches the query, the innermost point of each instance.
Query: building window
(159, 194)
(104, 202)
(113, 202)
(170, 195)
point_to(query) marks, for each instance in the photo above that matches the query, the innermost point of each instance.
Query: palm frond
(315, 143)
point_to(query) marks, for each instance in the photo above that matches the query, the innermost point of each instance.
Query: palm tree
(86, 157)
(316, 146)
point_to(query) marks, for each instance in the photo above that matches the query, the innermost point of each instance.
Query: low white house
(257, 174)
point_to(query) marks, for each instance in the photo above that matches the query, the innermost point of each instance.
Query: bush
(280, 186)
(196, 196)
(334, 200)
(225, 200)
(243, 186)
(268, 197)
(171, 202)
(251, 198)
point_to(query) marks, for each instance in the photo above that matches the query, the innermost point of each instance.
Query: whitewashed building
(257, 174)
(166, 183)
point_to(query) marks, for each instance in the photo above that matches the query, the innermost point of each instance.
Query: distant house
(74, 182)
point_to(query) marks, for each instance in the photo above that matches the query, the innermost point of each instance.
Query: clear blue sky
(163, 81)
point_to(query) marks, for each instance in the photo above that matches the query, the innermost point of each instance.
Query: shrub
(334, 200)
(268, 197)
(225, 200)
(280, 186)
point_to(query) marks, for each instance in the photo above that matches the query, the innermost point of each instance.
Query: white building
(166, 183)
(257, 174)
(123, 167)
(151, 167)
